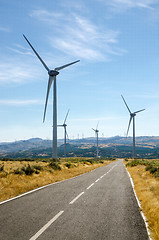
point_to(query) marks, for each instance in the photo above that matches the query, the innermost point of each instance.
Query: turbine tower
(65, 132)
(96, 133)
(132, 117)
(52, 77)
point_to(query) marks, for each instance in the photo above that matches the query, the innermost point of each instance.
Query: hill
(146, 147)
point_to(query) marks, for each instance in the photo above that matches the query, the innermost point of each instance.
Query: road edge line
(139, 204)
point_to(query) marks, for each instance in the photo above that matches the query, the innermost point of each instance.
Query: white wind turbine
(96, 133)
(52, 77)
(132, 117)
(64, 125)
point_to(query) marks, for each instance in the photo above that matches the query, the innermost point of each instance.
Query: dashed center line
(61, 212)
(76, 198)
(97, 180)
(90, 186)
(46, 226)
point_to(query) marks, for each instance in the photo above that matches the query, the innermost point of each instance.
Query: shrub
(68, 165)
(37, 172)
(148, 167)
(101, 161)
(18, 171)
(91, 161)
(54, 165)
(136, 162)
(153, 169)
(28, 170)
(38, 167)
(2, 168)
(157, 173)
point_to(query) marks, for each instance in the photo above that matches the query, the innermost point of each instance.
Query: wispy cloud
(123, 5)
(78, 36)
(14, 69)
(14, 72)
(17, 102)
(21, 50)
(4, 29)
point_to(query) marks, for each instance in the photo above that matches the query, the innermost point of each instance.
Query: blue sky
(117, 43)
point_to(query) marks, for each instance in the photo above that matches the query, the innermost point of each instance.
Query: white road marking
(46, 226)
(97, 180)
(76, 198)
(90, 186)
(110, 169)
(139, 204)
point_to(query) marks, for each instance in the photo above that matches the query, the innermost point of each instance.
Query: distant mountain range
(113, 147)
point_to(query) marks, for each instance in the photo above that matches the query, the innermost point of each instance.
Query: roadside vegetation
(145, 174)
(18, 176)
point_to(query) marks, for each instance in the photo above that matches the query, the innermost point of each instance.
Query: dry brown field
(147, 189)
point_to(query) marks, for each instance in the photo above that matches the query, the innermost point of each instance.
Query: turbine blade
(64, 66)
(94, 129)
(139, 111)
(66, 116)
(97, 125)
(126, 104)
(129, 125)
(37, 54)
(59, 125)
(47, 95)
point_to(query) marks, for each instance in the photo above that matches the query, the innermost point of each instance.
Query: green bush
(136, 162)
(2, 168)
(91, 161)
(54, 165)
(101, 161)
(157, 173)
(148, 167)
(153, 169)
(18, 171)
(38, 167)
(28, 170)
(68, 165)
(37, 172)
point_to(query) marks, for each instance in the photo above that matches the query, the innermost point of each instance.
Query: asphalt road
(98, 205)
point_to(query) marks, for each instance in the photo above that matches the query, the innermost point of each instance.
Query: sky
(117, 43)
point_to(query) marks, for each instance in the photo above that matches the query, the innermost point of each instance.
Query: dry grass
(12, 184)
(147, 190)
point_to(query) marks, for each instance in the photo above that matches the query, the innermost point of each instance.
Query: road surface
(99, 205)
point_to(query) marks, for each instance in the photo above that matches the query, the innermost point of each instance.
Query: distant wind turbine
(132, 117)
(96, 133)
(52, 77)
(64, 125)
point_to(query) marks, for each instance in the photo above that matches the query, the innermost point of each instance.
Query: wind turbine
(65, 132)
(96, 133)
(52, 77)
(132, 117)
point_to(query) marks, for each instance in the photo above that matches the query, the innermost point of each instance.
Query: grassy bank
(17, 177)
(145, 174)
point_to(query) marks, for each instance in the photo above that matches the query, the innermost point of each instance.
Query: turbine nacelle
(132, 114)
(53, 73)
